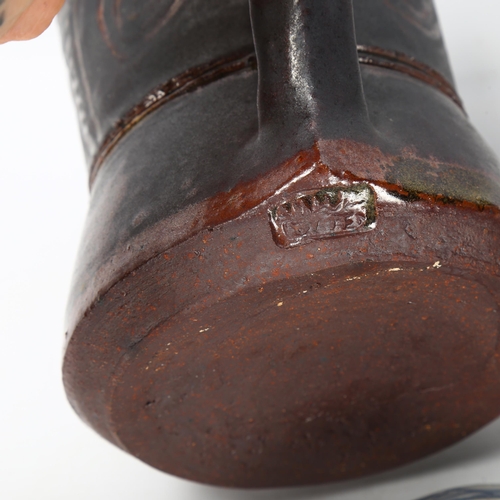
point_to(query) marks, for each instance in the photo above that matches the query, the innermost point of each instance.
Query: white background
(45, 451)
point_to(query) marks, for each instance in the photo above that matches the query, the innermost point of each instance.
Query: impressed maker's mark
(314, 215)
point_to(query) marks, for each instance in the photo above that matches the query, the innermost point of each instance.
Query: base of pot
(323, 377)
(232, 361)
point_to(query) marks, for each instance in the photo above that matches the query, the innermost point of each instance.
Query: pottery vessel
(468, 493)
(290, 268)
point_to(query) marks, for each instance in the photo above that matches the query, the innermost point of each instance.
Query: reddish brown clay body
(290, 272)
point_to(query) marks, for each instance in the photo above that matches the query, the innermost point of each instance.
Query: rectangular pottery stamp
(335, 211)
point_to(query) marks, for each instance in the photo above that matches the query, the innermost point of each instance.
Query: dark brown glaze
(195, 78)
(117, 51)
(189, 81)
(290, 275)
(104, 270)
(375, 56)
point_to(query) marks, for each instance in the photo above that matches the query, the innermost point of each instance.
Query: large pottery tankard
(290, 271)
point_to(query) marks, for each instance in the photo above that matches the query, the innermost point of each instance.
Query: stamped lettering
(330, 212)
